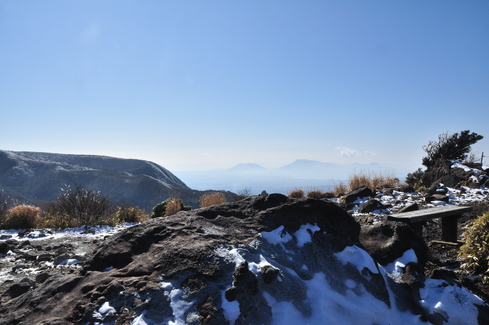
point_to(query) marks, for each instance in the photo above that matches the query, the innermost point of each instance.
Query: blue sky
(195, 85)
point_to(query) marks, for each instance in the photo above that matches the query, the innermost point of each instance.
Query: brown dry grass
(340, 189)
(370, 179)
(173, 206)
(318, 194)
(59, 221)
(23, 217)
(296, 194)
(208, 200)
(373, 180)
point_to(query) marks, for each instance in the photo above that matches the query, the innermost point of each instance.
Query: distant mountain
(302, 173)
(248, 167)
(38, 177)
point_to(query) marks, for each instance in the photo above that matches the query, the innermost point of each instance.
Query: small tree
(415, 179)
(454, 146)
(85, 206)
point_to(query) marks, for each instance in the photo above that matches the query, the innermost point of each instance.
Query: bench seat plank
(431, 213)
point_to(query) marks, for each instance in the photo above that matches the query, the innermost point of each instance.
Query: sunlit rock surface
(263, 260)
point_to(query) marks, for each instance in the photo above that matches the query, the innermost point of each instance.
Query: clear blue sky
(196, 85)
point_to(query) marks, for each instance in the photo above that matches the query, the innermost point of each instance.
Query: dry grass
(173, 206)
(296, 194)
(208, 200)
(59, 221)
(340, 189)
(373, 180)
(131, 214)
(318, 194)
(23, 217)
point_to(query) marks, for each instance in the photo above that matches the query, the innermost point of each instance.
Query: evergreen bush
(450, 146)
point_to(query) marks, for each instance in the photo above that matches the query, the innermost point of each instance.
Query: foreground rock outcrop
(263, 260)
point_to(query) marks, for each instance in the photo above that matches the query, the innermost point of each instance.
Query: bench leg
(417, 227)
(449, 229)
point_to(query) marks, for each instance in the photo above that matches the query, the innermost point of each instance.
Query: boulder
(410, 207)
(18, 289)
(371, 205)
(388, 241)
(4, 248)
(360, 191)
(436, 197)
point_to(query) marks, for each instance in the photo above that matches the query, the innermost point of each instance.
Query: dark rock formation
(370, 206)
(360, 191)
(436, 197)
(409, 207)
(243, 263)
(388, 241)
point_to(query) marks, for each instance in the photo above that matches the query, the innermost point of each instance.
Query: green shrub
(23, 217)
(415, 179)
(475, 251)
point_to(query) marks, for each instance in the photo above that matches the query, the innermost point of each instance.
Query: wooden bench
(448, 215)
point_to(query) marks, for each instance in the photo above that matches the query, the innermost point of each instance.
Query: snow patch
(358, 257)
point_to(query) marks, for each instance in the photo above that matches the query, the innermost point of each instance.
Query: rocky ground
(29, 258)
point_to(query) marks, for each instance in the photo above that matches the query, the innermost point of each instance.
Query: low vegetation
(84, 206)
(74, 207)
(312, 194)
(23, 217)
(208, 200)
(340, 189)
(297, 194)
(169, 207)
(373, 180)
(415, 179)
(475, 251)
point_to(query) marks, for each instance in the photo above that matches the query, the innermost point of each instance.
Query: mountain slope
(39, 176)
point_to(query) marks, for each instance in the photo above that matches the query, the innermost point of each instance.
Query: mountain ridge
(38, 176)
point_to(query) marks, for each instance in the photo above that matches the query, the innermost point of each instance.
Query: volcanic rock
(370, 206)
(266, 259)
(360, 191)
